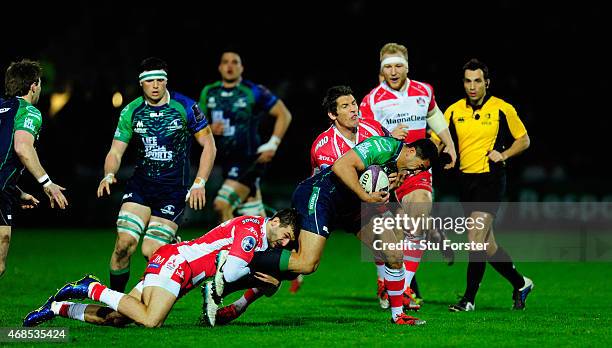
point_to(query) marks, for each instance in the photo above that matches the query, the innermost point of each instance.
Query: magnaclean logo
(3, 110)
(402, 118)
(322, 142)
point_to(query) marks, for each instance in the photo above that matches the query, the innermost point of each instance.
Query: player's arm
(319, 159)
(240, 255)
(518, 131)
(437, 122)
(283, 118)
(24, 147)
(519, 145)
(197, 192)
(112, 162)
(347, 168)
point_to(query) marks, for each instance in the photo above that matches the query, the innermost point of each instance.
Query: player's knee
(125, 246)
(5, 236)
(253, 207)
(491, 248)
(129, 226)
(221, 206)
(2, 268)
(309, 267)
(418, 196)
(148, 248)
(227, 200)
(394, 265)
(158, 233)
(152, 322)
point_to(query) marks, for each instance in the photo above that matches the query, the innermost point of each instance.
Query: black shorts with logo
(165, 201)
(482, 191)
(246, 171)
(8, 198)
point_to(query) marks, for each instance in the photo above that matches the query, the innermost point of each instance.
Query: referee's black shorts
(482, 191)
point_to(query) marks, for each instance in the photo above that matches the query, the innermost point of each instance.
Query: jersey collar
(264, 235)
(397, 93)
(477, 107)
(347, 140)
(158, 106)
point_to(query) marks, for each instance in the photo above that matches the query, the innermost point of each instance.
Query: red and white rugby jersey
(391, 107)
(331, 144)
(242, 235)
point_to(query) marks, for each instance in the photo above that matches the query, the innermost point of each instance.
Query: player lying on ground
(332, 199)
(173, 270)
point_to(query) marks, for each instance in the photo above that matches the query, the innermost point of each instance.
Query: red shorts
(169, 270)
(420, 181)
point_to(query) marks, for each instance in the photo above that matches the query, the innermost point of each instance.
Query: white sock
(56, 306)
(111, 298)
(409, 276)
(75, 310)
(242, 303)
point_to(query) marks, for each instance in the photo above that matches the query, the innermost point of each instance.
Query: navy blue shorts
(165, 201)
(247, 172)
(8, 198)
(323, 208)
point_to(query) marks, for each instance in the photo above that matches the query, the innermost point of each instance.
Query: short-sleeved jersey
(382, 151)
(15, 114)
(331, 144)
(492, 126)
(163, 137)
(391, 107)
(239, 109)
(242, 236)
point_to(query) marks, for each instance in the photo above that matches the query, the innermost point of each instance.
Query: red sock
(64, 309)
(394, 282)
(412, 259)
(249, 296)
(95, 291)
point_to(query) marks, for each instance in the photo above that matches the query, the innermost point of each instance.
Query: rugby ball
(374, 179)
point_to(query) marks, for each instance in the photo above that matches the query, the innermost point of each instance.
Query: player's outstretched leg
(39, 315)
(77, 289)
(233, 311)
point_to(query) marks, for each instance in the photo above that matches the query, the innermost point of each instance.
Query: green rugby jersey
(15, 114)
(162, 135)
(239, 109)
(379, 150)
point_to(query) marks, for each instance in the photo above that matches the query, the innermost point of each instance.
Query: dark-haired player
(161, 125)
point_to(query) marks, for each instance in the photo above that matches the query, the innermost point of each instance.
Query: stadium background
(545, 59)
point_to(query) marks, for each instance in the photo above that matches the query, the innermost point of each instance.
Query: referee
(488, 132)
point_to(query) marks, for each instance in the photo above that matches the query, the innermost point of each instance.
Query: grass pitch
(570, 305)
